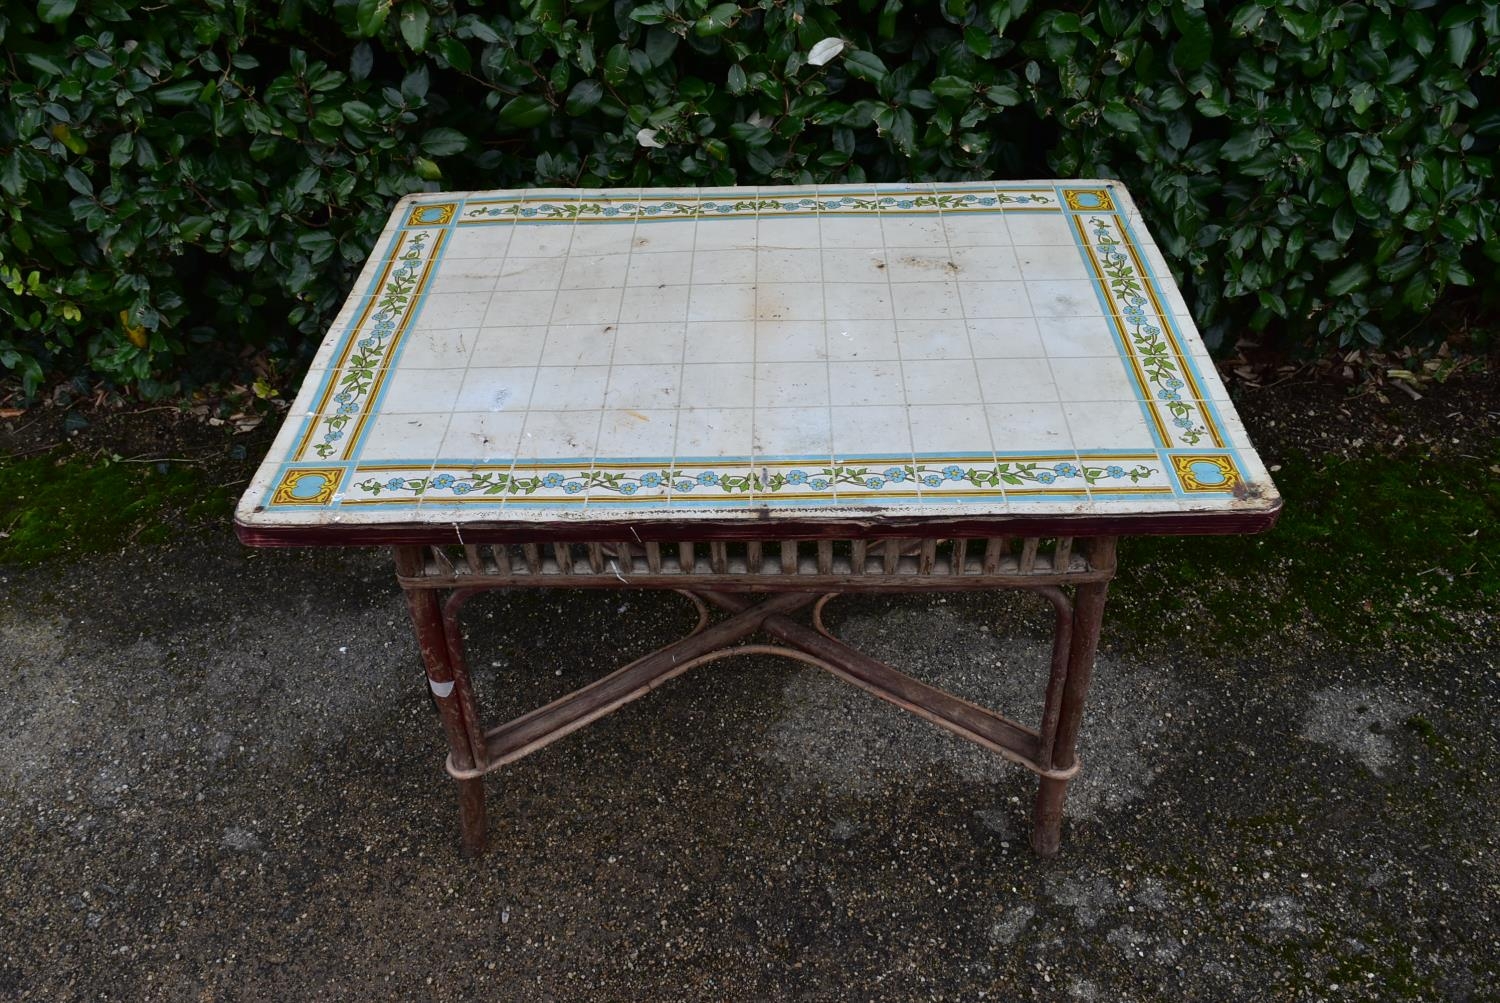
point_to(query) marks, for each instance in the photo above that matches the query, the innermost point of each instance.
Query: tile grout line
(677, 424)
(588, 498)
(911, 437)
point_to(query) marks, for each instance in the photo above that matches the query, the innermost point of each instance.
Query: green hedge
(196, 179)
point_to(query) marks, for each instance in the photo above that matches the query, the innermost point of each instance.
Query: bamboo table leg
(1088, 618)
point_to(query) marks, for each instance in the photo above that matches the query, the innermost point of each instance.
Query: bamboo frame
(793, 574)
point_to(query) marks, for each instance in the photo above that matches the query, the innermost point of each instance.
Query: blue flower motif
(1045, 477)
(343, 397)
(895, 475)
(1065, 470)
(1116, 472)
(905, 204)
(349, 409)
(1023, 199)
(552, 480)
(528, 212)
(443, 481)
(611, 211)
(805, 203)
(953, 472)
(626, 488)
(1183, 422)
(367, 343)
(462, 488)
(708, 477)
(1169, 395)
(1151, 330)
(651, 480)
(874, 482)
(818, 483)
(932, 480)
(573, 487)
(683, 485)
(333, 436)
(987, 201)
(796, 477)
(395, 484)
(1173, 382)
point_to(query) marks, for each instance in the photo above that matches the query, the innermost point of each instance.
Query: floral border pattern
(570, 210)
(358, 375)
(813, 479)
(1158, 363)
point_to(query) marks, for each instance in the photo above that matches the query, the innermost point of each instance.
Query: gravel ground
(220, 780)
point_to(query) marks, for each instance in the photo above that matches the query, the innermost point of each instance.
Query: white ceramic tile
(793, 432)
(1053, 262)
(726, 234)
(1021, 428)
(920, 264)
(720, 341)
(866, 383)
(718, 384)
(654, 304)
(860, 339)
(569, 388)
(421, 391)
(508, 346)
(645, 343)
(949, 428)
(913, 231)
(602, 238)
(783, 264)
(662, 268)
(706, 432)
(638, 433)
(1005, 338)
(479, 241)
(395, 436)
(933, 339)
(1107, 426)
(663, 236)
(539, 240)
(564, 435)
(1092, 380)
(579, 344)
(1076, 298)
(1038, 228)
(519, 309)
(495, 389)
(595, 271)
(851, 264)
(1016, 381)
(850, 231)
(438, 349)
(790, 341)
(985, 264)
(791, 384)
(649, 387)
(727, 267)
(1071, 337)
(461, 276)
(940, 382)
(778, 301)
(722, 302)
(994, 299)
(882, 429)
(976, 230)
(926, 300)
(587, 306)
(483, 435)
(786, 233)
(858, 301)
(451, 310)
(529, 274)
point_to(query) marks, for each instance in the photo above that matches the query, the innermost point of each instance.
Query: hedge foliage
(195, 178)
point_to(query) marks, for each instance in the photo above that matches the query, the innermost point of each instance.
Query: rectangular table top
(979, 353)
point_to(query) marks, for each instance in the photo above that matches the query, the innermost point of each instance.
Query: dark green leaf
(370, 15)
(1350, 279)
(717, 20)
(1196, 40)
(583, 97)
(525, 111)
(864, 65)
(443, 142)
(1359, 173)
(952, 87)
(1005, 97)
(737, 81)
(55, 11)
(414, 22)
(1460, 42)
(650, 13)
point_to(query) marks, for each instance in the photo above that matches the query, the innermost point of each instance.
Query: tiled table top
(976, 351)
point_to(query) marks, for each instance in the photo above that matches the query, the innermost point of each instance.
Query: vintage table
(780, 392)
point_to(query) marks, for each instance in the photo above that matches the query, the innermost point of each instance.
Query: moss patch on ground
(1395, 548)
(51, 509)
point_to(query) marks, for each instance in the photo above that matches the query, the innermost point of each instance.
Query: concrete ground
(220, 779)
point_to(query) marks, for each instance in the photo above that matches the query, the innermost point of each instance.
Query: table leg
(1088, 618)
(448, 691)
